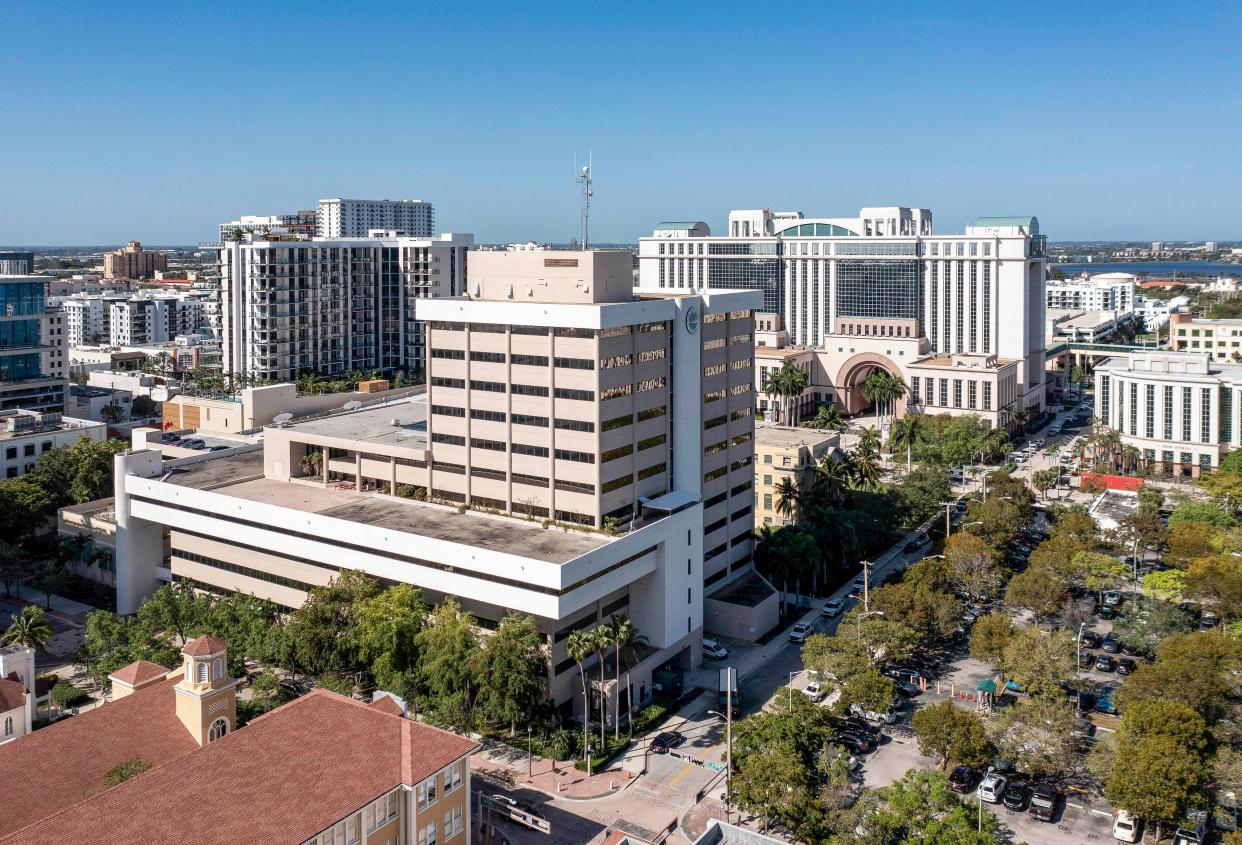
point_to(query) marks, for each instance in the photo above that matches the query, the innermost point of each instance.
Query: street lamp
(860, 617)
(727, 716)
(1079, 666)
(979, 795)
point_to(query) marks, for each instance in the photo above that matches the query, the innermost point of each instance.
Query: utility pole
(583, 178)
(866, 565)
(728, 738)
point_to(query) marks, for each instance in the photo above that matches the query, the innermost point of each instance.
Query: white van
(1126, 828)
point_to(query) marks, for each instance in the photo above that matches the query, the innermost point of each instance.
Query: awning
(987, 685)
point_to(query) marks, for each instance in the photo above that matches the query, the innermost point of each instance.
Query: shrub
(130, 768)
(66, 695)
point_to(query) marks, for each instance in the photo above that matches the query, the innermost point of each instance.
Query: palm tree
(601, 639)
(784, 385)
(622, 631)
(787, 498)
(865, 468)
(631, 647)
(869, 440)
(29, 628)
(560, 744)
(832, 478)
(828, 417)
(907, 431)
(580, 645)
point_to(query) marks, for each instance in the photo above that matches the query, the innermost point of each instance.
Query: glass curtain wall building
(22, 381)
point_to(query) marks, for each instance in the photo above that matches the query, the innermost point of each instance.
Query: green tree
(175, 608)
(24, 508)
(447, 656)
(385, 633)
(973, 565)
(318, 634)
(1037, 735)
(14, 566)
(834, 658)
(907, 432)
(622, 631)
(783, 387)
(1166, 585)
(932, 614)
(1147, 623)
(774, 787)
(1189, 541)
(990, 637)
(1100, 572)
(110, 643)
(513, 670)
(886, 641)
(869, 689)
(1039, 661)
(920, 493)
(951, 735)
(1217, 582)
(1195, 669)
(1197, 510)
(1160, 765)
(580, 645)
(142, 408)
(827, 417)
(29, 628)
(918, 808)
(1037, 589)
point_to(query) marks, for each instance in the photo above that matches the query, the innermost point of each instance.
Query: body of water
(1162, 269)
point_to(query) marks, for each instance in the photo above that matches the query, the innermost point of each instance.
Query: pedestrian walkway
(560, 780)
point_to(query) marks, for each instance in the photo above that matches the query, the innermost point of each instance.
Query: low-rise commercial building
(1221, 339)
(321, 769)
(255, 407)
(1180, 410)
(25, 435)
(786, 452)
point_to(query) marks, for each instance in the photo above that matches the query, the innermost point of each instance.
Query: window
(616, 361)
(218, 729)
(649, 442)
(448, 439)
(579, 457)
(452, 354)
(612, 454)
(527, 419)
(427, 836)
(438, 381)
(1205, 416)
(202, 672)
(578, 395)
(448, 411)
(1186, 417)
(652, 413)
(452, 777)
(530, 360)
(1149, 395)
(488, 386)
(654, 469)
(616, 392)
(452, 822)
(487, 357)
(1168, 414)
(8, 725)
(427, 792)
(616, 422)
(575, 363)
(575, 425)
(534, 451)
(488, 416)
(529, 390)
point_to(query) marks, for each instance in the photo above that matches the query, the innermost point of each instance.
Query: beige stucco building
(133, 262)
(786, 452)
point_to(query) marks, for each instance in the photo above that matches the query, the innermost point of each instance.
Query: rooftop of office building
(401, 423)
(14, 424)
(791, 437)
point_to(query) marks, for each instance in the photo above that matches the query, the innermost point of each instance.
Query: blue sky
(157, 121)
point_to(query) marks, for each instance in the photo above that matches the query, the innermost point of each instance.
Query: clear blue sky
(157, 121)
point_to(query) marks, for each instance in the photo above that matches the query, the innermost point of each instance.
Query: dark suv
(665, 741)
(1044, 797)
(1017, 793)
(962, 779)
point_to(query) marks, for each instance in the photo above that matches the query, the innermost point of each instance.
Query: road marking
(680, 775)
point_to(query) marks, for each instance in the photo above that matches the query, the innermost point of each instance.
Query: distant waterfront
(1162, 269)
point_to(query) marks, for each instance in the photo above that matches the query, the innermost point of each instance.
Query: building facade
(129, 319)
(342, 218)
(883, 287)
(332, 306)
(302, 224)
(1101, 292)
(1179, 409)
(1221, 339)
(24, 354)
(580, 452)
(133, 262)
(16, 263)
(26, 435)
(786, 452)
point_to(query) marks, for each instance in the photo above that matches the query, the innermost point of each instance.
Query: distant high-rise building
(1157, 246)
(303, 224)
(24, 383)
(341, 218)
(133, 262)
(332, 306)
(1209, 246)
(16, 263)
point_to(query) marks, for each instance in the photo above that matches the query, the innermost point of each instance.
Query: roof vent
(394, 422)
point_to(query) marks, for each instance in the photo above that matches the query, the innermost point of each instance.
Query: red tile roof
(386, 704)
(283, 778)
(204, 646)
(139, 672)
(61, 765)
(13, 695)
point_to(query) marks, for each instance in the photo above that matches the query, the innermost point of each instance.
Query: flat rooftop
(66, 424)
(471, 528)
(790, 437)
(216, 471)
(375, 424)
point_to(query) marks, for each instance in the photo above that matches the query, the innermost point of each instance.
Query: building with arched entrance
(845, 297)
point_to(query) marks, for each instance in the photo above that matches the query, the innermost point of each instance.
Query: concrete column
(139, 543)
(358, 470)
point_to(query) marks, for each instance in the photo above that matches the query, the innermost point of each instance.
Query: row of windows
(538, 331)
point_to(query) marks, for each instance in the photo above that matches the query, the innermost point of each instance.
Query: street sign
(513, 811)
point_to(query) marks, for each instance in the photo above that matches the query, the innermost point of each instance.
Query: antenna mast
(583, 179)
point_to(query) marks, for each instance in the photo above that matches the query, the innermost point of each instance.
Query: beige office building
(133, 262)
(781, 452)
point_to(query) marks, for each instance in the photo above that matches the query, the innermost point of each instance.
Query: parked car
(1104, 704)
(1192, 829)
(666, 740)
(714, 650)
(1084, 701)
(1044, 797)
(907, 689)
(855, 743)
(962, 779)
(1086, 659)
(1017, 793)
(1105, 611)
(800, 632)
(814, 691)
(991, 788)
(1112, 598)
(887, 717)
(863, 728)
(1126, 828)
(1109, 645)
(1105, 663)
(913, 546)
(1126, 666)
(1208, 620)
(1090, 639)
(833, 608)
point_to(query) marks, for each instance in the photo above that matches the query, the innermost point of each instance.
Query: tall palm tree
(907, 431)
(832, 478)
(580, 645)
(827, 417)
(601, 640)
(869, 440)
(29, 628)
(865, 467)
(783, 386)
(622, 630)
(631, 648)
(788, 498)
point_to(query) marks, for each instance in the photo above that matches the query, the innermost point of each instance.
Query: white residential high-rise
(1101, 292)
(332, 306)
(959, 317)
(127, 319)
(341, 218)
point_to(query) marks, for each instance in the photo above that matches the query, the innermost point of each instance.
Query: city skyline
(687, 118)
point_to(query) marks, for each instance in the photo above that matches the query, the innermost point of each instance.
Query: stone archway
(851, 375)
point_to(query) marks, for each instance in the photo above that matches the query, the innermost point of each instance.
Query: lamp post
(727, 716)
(792, 675)
(860, 617)
(980, 797)
(1081, 626)
(866, 565)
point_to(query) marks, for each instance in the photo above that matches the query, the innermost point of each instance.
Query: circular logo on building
(692, 319)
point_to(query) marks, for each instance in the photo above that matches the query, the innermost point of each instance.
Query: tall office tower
(340, 218)
(16, 263)
(959, 317)
(24, 383)
(133, 262)
(332, 306)
(581, 451)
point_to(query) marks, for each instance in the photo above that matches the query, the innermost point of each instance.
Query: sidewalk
(509, 765)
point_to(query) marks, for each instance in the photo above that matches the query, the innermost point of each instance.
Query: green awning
(987, 685)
